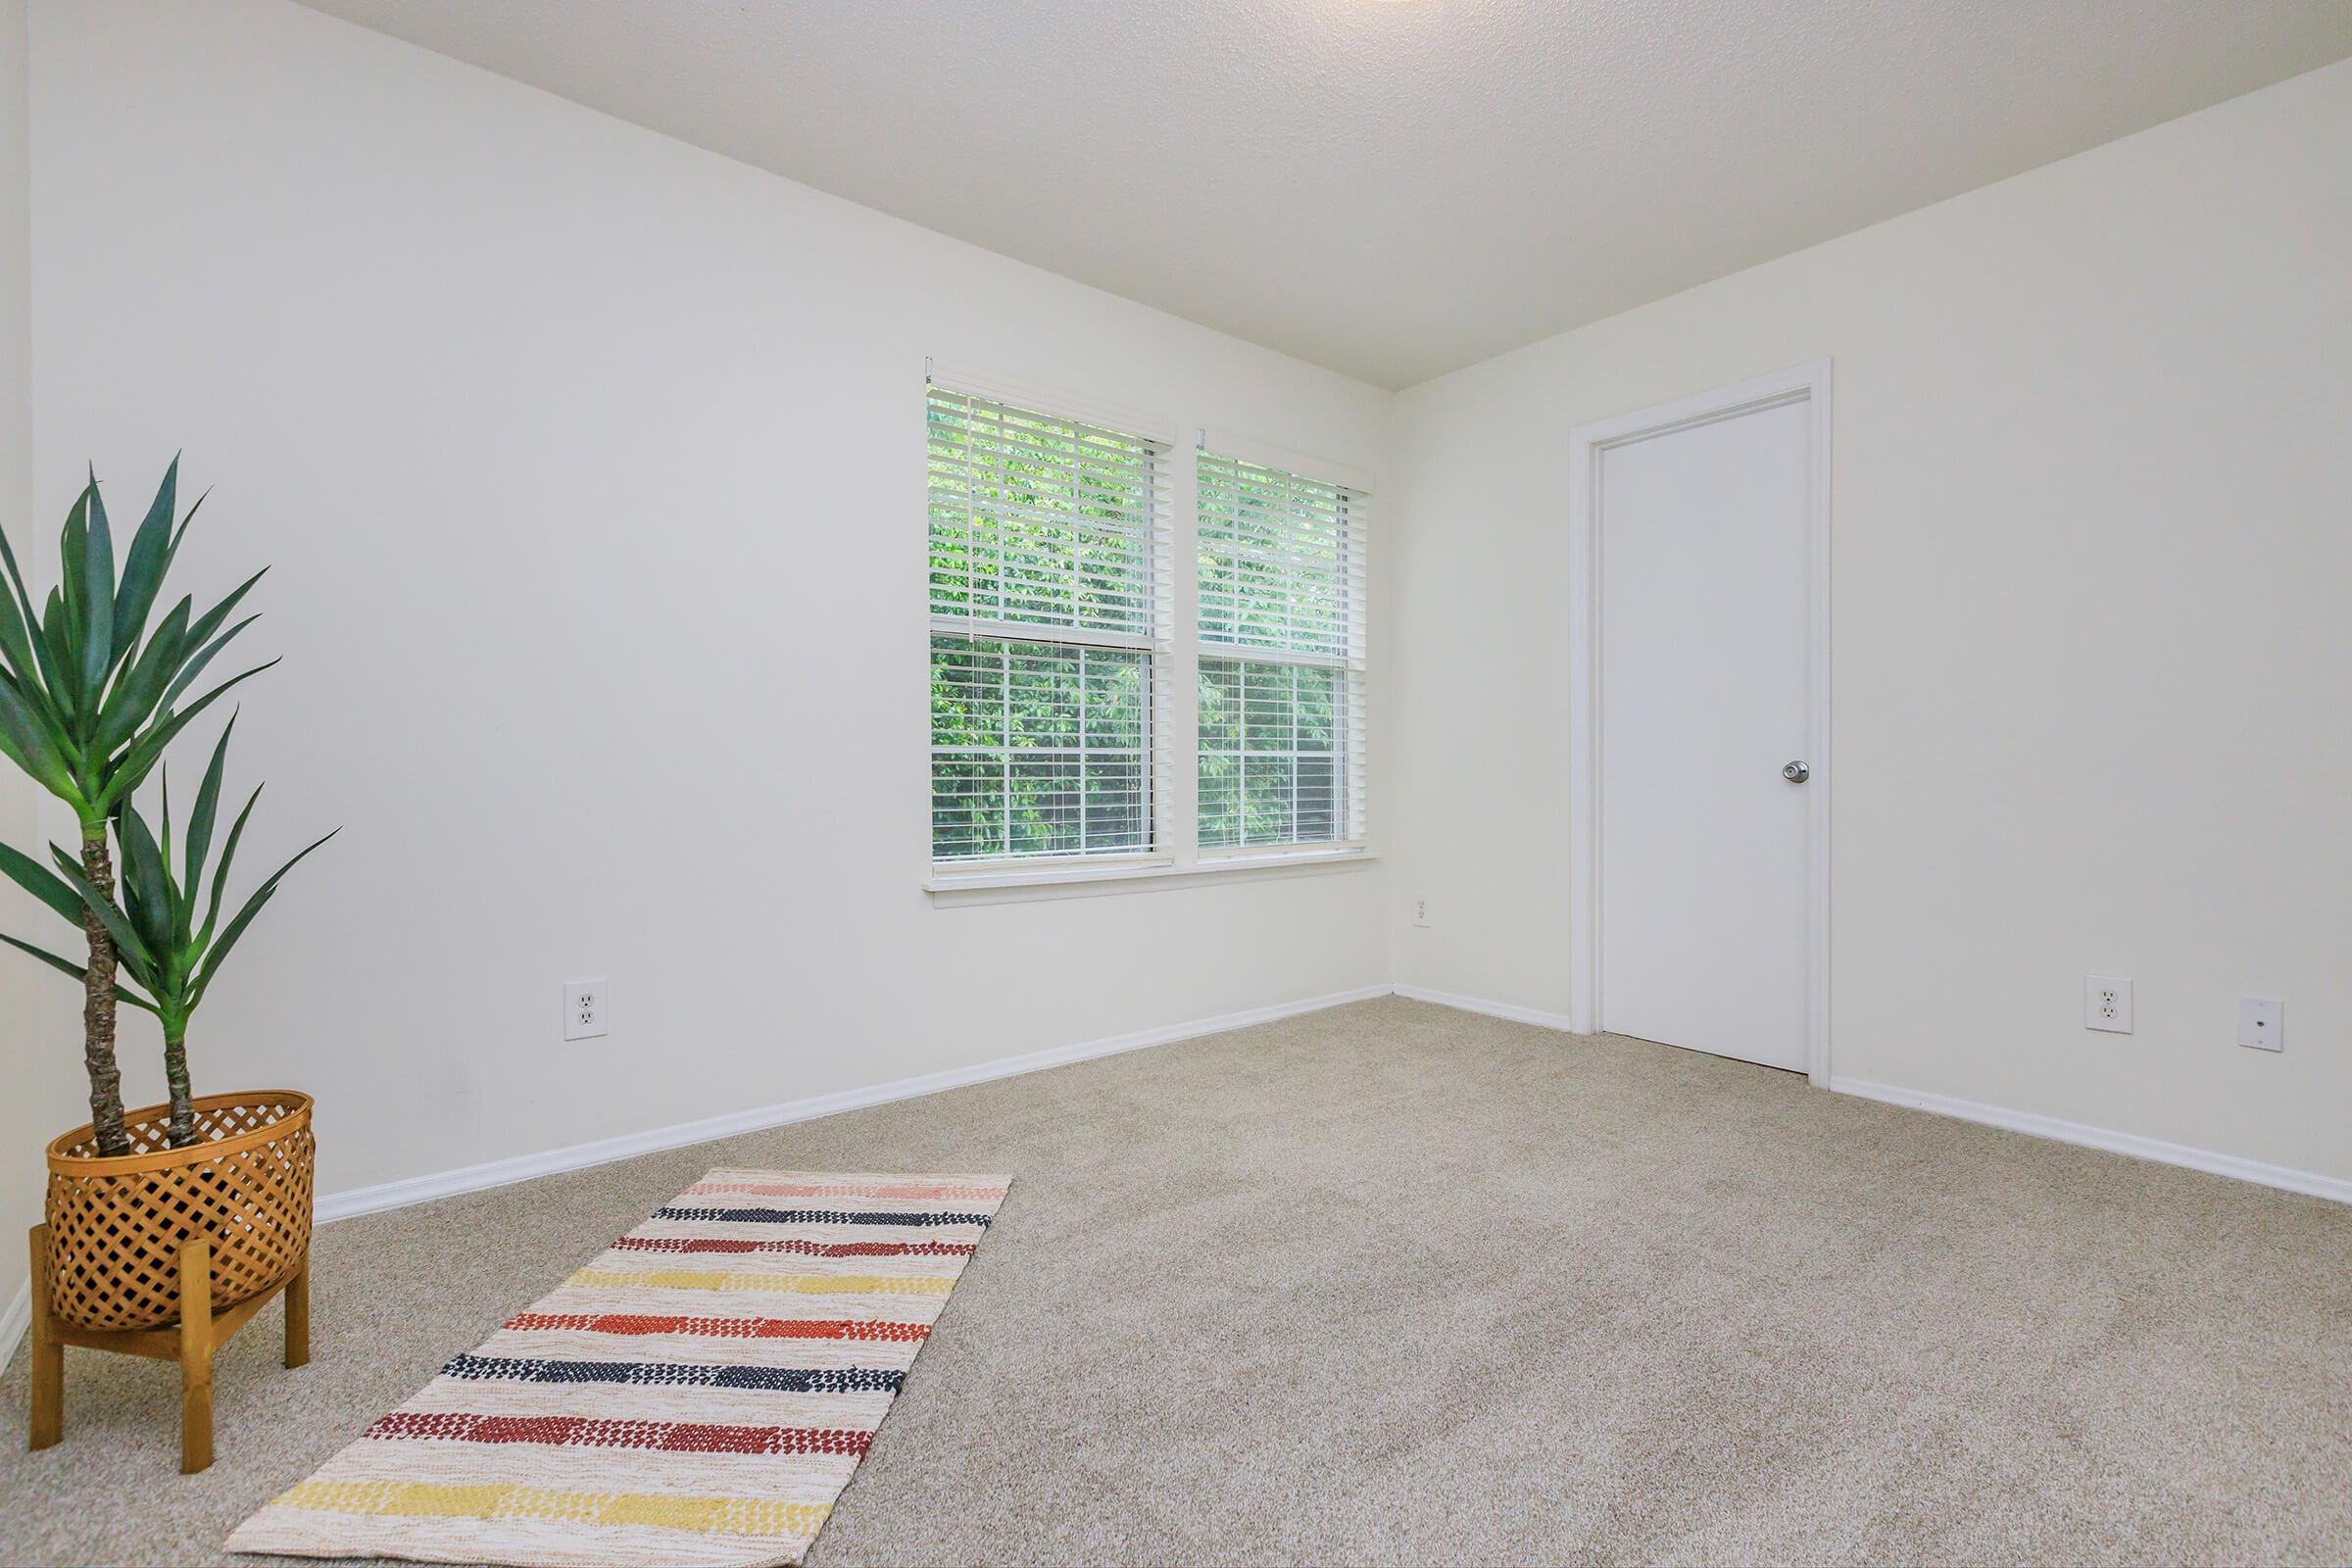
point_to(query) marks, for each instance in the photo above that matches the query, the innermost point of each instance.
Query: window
(1281, 658)
(1049, 597)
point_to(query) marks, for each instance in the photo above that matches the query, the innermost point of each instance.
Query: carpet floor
(1395, 1284)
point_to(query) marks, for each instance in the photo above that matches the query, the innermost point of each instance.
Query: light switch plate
(2262, 1023)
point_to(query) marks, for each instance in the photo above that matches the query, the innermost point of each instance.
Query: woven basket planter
(118, 1225)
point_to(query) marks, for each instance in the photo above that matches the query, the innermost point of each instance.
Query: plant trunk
(98, 1004)
(183, 1129)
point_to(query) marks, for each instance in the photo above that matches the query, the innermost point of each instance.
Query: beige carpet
(1397, 1283)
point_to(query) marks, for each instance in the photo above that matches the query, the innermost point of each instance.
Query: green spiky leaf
(138, 694)
(16, 579)
(128, 945)
(200, 823)
(74, 561)
(195, 666)
(146, 883)
(55, 652)
(148, 749)
(79, 972)
(143, 567)
(16, 638)
(30, 746)
(244, 917)
(229, 856)
(97, 604)
(34, 878)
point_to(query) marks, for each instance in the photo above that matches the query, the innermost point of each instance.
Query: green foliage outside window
(1038, 747)
(1271, 753)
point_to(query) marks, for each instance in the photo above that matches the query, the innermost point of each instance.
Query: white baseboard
(2282, 1177)
(2072, 1132)
(1493, 1010)
(16, 1317)
(579, 1156)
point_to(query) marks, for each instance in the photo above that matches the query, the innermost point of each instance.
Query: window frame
(1155, 642)
(1352, 662)
(1172, 746)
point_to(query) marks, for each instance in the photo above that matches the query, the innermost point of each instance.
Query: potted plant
(157, 1222)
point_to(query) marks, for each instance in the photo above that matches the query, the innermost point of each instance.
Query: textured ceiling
(1392, 187)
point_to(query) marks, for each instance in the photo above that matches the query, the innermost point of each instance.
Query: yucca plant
(157, 939)
(88, 697)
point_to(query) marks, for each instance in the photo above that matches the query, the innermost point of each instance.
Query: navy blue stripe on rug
(816, 1217)
(767, 1379)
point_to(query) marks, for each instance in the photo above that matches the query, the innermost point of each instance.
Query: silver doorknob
(1796, 772)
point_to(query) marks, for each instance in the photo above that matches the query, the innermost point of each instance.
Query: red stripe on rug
(585, 1431)
(736, 1244)
(721, 1328)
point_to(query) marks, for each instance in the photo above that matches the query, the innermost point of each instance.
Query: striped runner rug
(697, 1395)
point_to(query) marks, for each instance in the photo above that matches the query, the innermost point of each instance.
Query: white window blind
(1281, 658)
(1050, 562)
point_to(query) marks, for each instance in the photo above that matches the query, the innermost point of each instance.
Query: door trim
(1807, 383)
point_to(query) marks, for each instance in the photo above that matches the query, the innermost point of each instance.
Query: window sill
(955, 889)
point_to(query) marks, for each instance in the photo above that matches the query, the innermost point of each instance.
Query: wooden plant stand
(169, 1248)
(193, 1342)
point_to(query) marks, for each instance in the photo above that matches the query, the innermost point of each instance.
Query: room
(1258, 781)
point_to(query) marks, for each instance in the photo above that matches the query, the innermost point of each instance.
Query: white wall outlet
(2107, 1002)
(2262, 1023)
(1421, 909)
(584, 1007)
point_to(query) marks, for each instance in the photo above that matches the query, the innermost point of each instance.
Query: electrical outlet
(2262, 1023)
(1421, 909)
(584, 1008)
(2107, 1002)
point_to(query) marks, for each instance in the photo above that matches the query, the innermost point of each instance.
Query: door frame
(1807, 383)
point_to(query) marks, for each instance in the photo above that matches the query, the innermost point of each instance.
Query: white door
(1702, 539)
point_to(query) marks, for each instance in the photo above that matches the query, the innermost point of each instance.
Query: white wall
(591, 468)
(40, 1037)
(589, 465)
(2093, 662)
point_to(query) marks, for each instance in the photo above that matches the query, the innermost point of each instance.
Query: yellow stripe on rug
(792, 1284)
(653, 1413)
(731, 1516)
